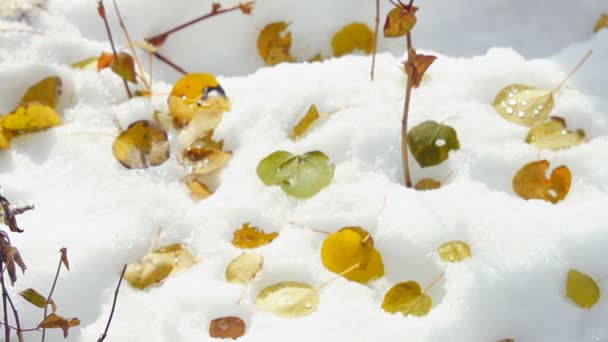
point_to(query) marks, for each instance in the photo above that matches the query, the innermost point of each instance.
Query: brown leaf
(64, 258)
(101, 10)
(251, 237)
(157, 40)
(400, 21)
(417, 66)
(54, 321)
(104, 60)
(530, 182)
(227, 327)
(9, 217)
(124, 66)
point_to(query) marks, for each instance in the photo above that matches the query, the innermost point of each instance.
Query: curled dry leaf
(201, 159)
(354, 36)
(454, 251)
(350, 246)
(251, 237)
(530, 182)
(64, 258)
(408, 299)
(34, 297)
(288, 299)
(312, 115)
(198, 190)
(400, 21)
(582, 289)
(524, 105)
(427, 184)
(430, 142)
(227, 327)
(300, 176)
(602, 23)
(417, 67)
(10, 257)
(157, 265)
(552, 134)
(273, 46)
(54, 321)
(85, 64)
(141, 145)
(198, 95)
(244, 267)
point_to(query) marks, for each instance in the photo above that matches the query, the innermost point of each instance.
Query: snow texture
(106, 215)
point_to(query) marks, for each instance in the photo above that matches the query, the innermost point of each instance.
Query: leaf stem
(323, 284)
(406, 109)
(377, 24)
(170, 63)
(578, 66)
(426, 289)
(48, 299)
(7, 329)
(105, 332)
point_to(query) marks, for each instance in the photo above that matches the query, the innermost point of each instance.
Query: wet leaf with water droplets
(251, 237)
(273, 46)
(552, 134)
(400, 21)
(227, 327)
(244, 267)
(582, 289)
(523, 105)
(454, 251)
(530, 182)
(141, 145)
(430, 142)
(157, 265)
(198, 95)
(202, 160)
(408, 299)
(352, 37)
(288, 299)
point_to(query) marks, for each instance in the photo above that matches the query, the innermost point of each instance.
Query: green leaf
(523, 105)
(299, 176)
(430, 142)
(34, 297)
(582, 289)
(124, 67)
(553, 134)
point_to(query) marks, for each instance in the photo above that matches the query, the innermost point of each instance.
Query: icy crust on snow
(107, 215)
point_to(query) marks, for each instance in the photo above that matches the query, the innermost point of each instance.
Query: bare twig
(375, 39)
(7, 329)
(406, 109)
(170, 63)
(105, 332)
(102, 13)
(48, 299)
(15, 315)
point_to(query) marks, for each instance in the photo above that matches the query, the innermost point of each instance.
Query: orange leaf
(274, 47)
(530, 182)
(251, 237)
(400, 21)
(104, 60)
(417, 67)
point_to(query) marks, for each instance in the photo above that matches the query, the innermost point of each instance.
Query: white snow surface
(106, 215)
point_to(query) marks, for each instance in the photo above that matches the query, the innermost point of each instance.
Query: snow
(106, 215)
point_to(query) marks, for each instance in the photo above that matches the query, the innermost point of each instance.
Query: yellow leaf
(582, 289)
(274, 47)
(198, 190)
(197, 94)
(141, 145)
(31, 117)
(305, 123)
(454, 251)
(45, 92)
(523, 105)
(530, 182)
(86, 64)
(203, 160)
(602, 23)
(400, 21)
(408, 299)
(355, 36)
(288, 299)
(350, 246)
(5, 135)
(427, 184)
(251, 237)
(54, 321)
(157, 265)
(244, 267)
(552, 134)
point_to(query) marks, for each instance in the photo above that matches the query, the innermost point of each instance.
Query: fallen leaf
(427, 184)
(124, 66)
(350, 246)
(417, 67)
(524, 105)
(300, 176)
(5, 136)
(157, 265)
(312, 115)
(408, 299)
(354, 36)
(45, 92)
(530, 182)
(244, 267)
(454, 251)
(34, 297)
(227, 327)
(198, 190)
(400, 21)
(141, 145)
(288, 299)
(201, 160)
(552, 134)
(430, 142)
(54, 321)
(198, 94)
(248, 237)
(582, 289)
(273, 46)
(31, 117)
(602, 23)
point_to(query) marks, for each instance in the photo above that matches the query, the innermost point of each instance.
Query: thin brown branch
(105, 332)
(15, 315)
(101, 9)
(159, 39)
(170, 63)
(48, 299)
(7, 329)
(406, 109)
(375, 38)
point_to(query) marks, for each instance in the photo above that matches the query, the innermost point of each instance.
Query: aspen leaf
(552, 134)
(523, 105)
(602, 23)
(400, 21)
(582, 289)
(316, 58)
(201, 160)
(227, 327)
(244, 267)
(305, 123)
(5, 135)
(85, 64)
(354, 36)
(157, 265)
(430, 142)
(248, 237)
(408, 299)
(124, 66)
(530, 182)
(104, 60)
(45, 92)
(54, 321)
(197, 94)
(34, 297)
(198, 190)
(288, 299)
(454, 251)
(300, 176)
(418, 67)
(427, 184)
(347, 247)
(141, 145)
(273, 46)
(31, 117)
